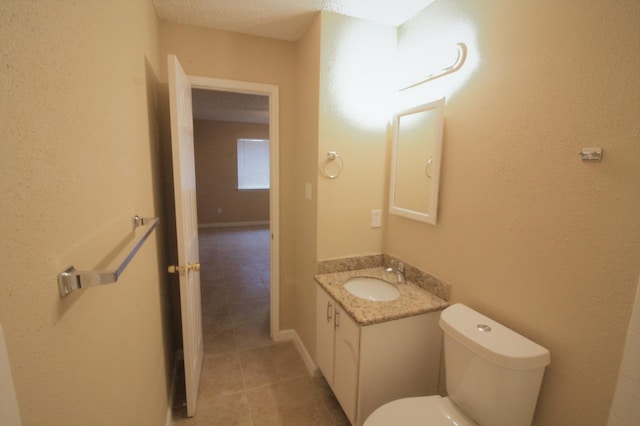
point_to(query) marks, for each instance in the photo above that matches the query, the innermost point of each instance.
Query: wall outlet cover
(376, 218)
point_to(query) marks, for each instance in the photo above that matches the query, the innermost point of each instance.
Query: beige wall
(340, 75)
(216, 161)
(78, 158)
(306, 172)
(220, 54)
(342, 99)
(353, 117)
(528, 233)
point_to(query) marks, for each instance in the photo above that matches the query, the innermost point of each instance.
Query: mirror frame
(430, 216)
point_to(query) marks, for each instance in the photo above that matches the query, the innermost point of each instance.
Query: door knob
(195, 266)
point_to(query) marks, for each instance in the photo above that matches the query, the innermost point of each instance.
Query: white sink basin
(371, 289)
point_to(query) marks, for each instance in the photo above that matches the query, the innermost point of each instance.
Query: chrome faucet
(399, 272)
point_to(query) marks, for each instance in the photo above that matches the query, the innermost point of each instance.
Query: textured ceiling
(281, 19)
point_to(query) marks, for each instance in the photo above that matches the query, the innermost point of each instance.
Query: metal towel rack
(72, 279)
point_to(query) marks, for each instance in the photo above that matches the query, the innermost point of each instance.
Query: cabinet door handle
(329, 309)
(337, 321)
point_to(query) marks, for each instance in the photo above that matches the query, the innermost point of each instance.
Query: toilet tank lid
(491, 340)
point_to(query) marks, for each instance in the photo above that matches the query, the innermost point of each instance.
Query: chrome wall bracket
(591, 154)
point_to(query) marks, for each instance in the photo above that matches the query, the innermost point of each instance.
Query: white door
(184, 183)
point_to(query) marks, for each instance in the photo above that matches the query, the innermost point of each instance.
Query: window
(253, 164)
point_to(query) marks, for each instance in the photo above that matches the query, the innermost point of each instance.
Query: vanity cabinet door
(325, 312)
(347, 354)
(338, 351)
(369, 366)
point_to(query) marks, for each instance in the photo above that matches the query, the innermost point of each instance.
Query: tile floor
(248, 379)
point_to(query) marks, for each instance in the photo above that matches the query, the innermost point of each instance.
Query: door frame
(272, 91)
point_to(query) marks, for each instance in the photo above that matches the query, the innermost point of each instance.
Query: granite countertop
(413, 300)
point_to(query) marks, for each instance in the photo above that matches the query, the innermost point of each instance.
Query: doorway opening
(186, 223)
(233, 220)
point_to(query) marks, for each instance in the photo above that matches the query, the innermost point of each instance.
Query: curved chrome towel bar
(461, 49)
(72, 279)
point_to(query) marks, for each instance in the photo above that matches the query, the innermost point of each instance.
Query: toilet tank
(493, 373)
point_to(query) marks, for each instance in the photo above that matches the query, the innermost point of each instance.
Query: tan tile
(240, 292)
(240, 357)
(231, 410)
(337, 415)
(214, 318)
(330, 402)
(253, 334)
(265, 272)
(211, 280)
(241, 272)
(293, 402)
(271, 364)
(210, 269)
(209, 255)
(219, 338)
(221, 376)
(251, 310)
(213, 298)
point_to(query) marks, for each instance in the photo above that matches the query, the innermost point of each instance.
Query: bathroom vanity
(373, 352)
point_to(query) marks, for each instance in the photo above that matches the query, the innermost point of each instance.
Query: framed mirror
(415, 162)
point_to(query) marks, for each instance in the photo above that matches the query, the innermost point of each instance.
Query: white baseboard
(306, 357)
(233, 224)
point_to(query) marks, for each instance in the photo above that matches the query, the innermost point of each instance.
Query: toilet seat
(419, 411)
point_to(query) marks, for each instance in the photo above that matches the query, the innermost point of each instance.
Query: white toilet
(493, 377)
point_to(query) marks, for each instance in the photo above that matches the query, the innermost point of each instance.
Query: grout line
(235, 322)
